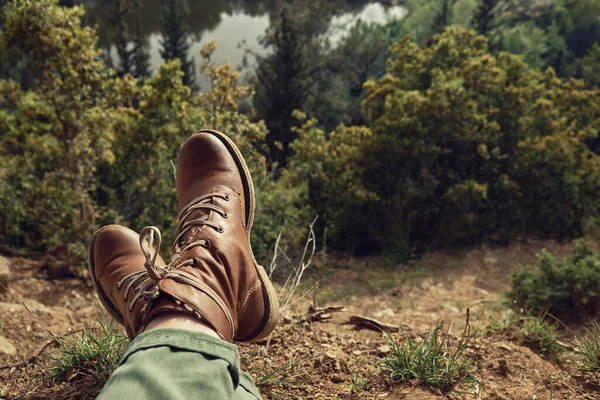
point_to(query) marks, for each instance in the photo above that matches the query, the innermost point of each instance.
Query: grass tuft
(589, 348)
(95, 352)
(531, 331)
(541, 337)
(279, 382)
(433, 361)
(359, 382)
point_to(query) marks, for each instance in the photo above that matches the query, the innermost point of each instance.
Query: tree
(444, 15)
(288, 77)
(283, 82)
(140, 56)
(175, 38)
(132, 48)
(461, 145)
(57, 133)
(117, 19)
(485, 16)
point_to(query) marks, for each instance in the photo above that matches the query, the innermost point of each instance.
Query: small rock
(357, 352)
(384, 349)
(6, 347)
(451, 308)
(4, 273)
(33, 305)
(331, 354)
(504, 346)
(386, 312)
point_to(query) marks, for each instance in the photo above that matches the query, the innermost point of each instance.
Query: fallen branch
(321, 314)
(370, 323)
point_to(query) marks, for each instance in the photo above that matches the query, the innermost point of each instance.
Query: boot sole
(104, 299)
(269, 295)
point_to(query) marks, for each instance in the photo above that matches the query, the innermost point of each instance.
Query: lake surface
(229, 22)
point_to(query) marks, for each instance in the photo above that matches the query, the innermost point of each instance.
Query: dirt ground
(328, 359)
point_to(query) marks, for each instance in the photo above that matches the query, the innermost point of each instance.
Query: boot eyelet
(207, 244)
(225, 215)
(227, 198)
(194, 261)
(221, 229)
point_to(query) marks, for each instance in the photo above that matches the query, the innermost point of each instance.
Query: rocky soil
(323, 359)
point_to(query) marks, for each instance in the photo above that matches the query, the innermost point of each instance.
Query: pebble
(6, 347)
(386, 312)
(384, 349)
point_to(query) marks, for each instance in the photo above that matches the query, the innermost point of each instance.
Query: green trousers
(177, 364)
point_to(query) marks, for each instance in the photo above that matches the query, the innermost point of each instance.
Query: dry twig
(370, 323)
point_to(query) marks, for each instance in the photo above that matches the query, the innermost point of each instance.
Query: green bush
(84, 147)
(564, 288)
(463, 145)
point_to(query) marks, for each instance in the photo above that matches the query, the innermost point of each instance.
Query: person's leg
(178, 364)
(183, 315)
(179, 357)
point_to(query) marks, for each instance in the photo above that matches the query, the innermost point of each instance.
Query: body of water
(229, 23)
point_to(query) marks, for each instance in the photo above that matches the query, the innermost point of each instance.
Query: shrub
(84, 147)
(333, 169)
(461, 146)
(568, 287)
(467, 143)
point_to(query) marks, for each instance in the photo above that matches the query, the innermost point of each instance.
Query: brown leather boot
(213, 273)
(116, 263)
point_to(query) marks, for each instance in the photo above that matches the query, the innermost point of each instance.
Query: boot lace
(145, 282)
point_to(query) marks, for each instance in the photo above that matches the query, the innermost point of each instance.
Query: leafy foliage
(560, 287)
(59, 132)
(461, 146)
(85, 147)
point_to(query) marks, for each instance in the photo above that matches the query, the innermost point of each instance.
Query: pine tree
(117, 19)
(288, 77)
(132, 48)
(484, 19)
(444, 17)
(175, 38)
(140, 56)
